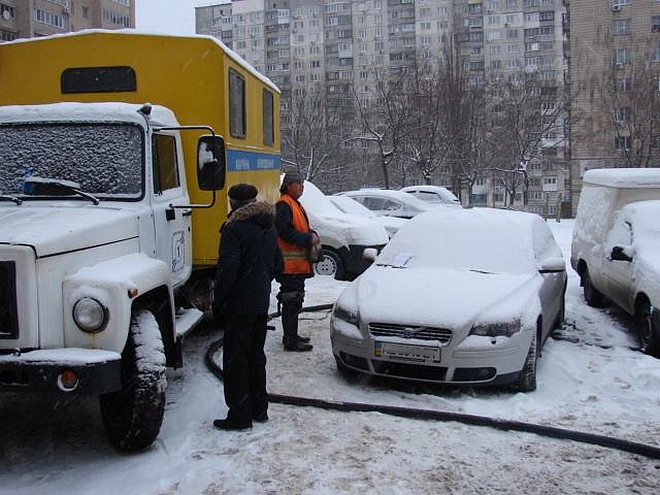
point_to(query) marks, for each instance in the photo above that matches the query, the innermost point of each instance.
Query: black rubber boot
(291, 306)
(290, 326)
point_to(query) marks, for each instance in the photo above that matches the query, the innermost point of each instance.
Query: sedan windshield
(104, 159)
(481, 245)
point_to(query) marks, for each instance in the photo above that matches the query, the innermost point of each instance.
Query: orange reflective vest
(295, 257)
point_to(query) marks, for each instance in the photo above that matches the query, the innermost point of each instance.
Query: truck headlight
(90, 315)
(496, 329)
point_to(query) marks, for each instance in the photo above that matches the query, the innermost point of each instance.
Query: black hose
(646, 450)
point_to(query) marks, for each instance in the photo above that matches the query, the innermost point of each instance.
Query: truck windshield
(104, 159)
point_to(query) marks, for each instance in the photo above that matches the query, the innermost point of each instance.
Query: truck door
(172, 225)
(618, 273)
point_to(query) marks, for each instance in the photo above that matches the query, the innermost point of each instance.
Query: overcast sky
(168, 16)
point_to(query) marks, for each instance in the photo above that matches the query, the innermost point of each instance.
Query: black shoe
(230, 424)
(298, 346)
(300, 338)
(261, 418)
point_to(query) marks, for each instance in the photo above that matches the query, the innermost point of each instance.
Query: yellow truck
(116, 149)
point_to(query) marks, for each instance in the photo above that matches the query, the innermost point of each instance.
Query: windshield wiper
(41, 186)
(14, 199)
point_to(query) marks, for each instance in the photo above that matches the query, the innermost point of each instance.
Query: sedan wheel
(526, 382)
(329, 264)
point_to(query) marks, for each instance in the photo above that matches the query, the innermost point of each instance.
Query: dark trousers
(244, 366)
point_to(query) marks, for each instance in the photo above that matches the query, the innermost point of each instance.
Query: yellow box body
(189, 75)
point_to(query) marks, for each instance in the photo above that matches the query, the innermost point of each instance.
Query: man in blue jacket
(249, 260)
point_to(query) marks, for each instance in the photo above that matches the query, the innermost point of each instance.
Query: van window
(269, 123)
(236, 104)
(166, 173)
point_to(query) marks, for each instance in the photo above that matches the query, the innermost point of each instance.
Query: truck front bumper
(81, 371)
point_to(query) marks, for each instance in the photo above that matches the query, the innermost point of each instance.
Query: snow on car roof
(623, 177)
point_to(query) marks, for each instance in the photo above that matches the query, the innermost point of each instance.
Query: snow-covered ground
(590, 379)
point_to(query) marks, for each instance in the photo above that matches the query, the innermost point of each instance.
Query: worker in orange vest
(295, 239)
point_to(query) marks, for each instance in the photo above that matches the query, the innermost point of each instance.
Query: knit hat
(291, 177)
(242, 194)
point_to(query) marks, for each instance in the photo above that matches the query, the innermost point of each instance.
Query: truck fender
(118, 285)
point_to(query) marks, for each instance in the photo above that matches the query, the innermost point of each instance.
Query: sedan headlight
(496, 329)
(90, 315)
(346, 315)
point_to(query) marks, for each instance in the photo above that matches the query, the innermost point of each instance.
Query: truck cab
(96, 229)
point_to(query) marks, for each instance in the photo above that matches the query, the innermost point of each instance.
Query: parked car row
(348, 222)
(469, 296)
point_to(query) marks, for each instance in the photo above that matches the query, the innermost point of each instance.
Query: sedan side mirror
(370, 254)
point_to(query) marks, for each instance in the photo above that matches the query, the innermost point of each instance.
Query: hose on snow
(650, 451)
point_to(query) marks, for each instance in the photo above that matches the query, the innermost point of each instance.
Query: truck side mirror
(619, 254)
(211, 164)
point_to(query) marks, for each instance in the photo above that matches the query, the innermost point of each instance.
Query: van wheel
(133, 415)
(526, 382)
(329, 264)
(592, 295)
(648, 333)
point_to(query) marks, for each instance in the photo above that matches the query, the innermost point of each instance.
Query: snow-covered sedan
(467, 297)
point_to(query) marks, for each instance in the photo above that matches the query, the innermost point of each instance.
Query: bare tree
(634, 106)
(526, 114)
(384, 116)
(318, 127)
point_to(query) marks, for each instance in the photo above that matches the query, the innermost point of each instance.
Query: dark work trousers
(244, 366)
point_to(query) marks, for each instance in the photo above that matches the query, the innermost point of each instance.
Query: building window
(621, 26)
(622, 143)
(655, 23)
(621, 56)
(622, 114)
(7, 12)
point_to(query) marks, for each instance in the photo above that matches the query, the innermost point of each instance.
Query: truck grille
(410, 332)
(8, 311)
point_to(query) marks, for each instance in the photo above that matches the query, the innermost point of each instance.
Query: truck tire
(133, 415)
(647, 331)
(592, 295)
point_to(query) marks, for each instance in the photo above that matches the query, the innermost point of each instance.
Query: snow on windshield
(105, 159)
(487, 240)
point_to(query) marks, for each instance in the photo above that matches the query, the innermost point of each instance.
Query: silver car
(467, 297)
(389, 202)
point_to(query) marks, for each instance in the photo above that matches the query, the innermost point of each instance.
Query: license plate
(403, 352)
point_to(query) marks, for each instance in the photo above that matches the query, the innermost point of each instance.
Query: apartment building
(336, 44)
(31, 18)
(615, 85)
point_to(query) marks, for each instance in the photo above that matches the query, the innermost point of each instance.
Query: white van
(344, 236)
(616, 245)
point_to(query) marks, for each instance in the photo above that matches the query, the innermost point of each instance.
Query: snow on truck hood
(446, 297)
(53, 230)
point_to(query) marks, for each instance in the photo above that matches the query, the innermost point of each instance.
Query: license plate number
(403, 352)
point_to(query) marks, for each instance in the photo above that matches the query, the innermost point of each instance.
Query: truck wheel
(134, 414)
(649, 335)
(526, 382)
(592, 295)
(329, 264)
